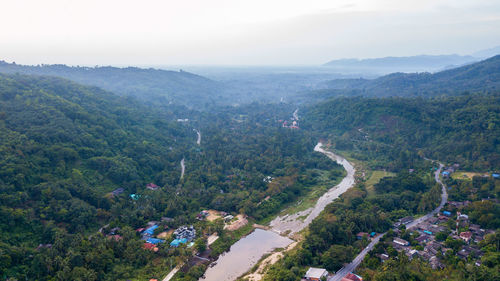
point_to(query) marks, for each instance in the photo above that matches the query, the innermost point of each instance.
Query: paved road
(296, 114)
(357, 260)
(172, 272)
(183, 168)
(355, 263)
(198, 141)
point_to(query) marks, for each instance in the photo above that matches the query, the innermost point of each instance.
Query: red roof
(140, 229)
(351, 277)
(149, 246)
(466, 235)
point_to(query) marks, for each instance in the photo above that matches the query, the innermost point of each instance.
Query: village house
(315, 274)
(152, 186)
(117, 191)
(202, 215)
(352, 277)
(466, 236)
(401, 242)
(360, 235)
(183, 235)
(382, 257)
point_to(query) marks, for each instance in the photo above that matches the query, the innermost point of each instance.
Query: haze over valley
(264, 140)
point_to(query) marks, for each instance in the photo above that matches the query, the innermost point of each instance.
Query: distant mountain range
(151, 85)
(480, 76)
(421, 63)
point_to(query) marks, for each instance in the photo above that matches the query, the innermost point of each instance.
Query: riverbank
(245, 253)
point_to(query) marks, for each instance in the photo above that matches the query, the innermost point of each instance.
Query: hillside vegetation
(463, 129)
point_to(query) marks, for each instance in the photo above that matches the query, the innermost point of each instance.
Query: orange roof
(351, 277)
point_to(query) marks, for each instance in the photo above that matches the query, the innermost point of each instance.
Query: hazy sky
(237, 32)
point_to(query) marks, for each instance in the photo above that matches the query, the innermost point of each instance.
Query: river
(247, 251)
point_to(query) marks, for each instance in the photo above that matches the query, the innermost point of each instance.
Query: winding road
(198, 141)
(183, 168)
(359, 258)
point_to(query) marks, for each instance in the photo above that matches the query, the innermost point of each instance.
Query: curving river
(247, 251)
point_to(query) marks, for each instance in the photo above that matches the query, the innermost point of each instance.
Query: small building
(202, 215)
(185, 232)
(401, 242)
(406, 220)
(228, 218)
(411, 254)
(495, 176)
(466, 236)
(151, 230)
(433, 220)
(422, 239)
(118, 191)
(373, 233)
(135, 196)
(382, 257)
(152, 186)
(154, 241)
(177, 242)
(315, 274)
(446, 174)
(360, 235)
(446, 213)
(150, 246)
(351, 277)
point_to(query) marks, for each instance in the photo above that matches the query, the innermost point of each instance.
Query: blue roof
(135, 196)
(427, 232)
(373, 233)
(446, 213)
(151, 230)
(496, 175)
(154, 241)
(177, 242)
(446, 173)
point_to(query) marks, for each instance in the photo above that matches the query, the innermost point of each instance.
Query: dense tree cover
(463, 129)
(331, 240)
(65, 147)
(152, 85)
(484, 193)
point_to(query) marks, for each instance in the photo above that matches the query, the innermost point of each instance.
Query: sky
(237, 32)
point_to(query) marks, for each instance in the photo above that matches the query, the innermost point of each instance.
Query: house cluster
(147, 235)
(429, 247)
(317, 274)
(450, 170)
(292, 124)
(183, 235)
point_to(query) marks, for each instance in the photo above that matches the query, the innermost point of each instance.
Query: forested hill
(463, 129)
(63, 146)
(152, 85)
(480, 76)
